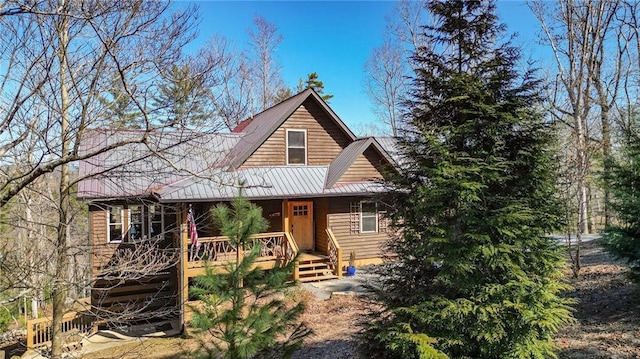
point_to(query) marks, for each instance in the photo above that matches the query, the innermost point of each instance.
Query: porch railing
(334, 253)
(219, 250)
(75, 326)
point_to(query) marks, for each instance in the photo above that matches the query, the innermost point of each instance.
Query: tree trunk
(61, 262)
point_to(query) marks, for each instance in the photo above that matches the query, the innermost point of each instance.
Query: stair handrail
(291, 248)
(334, 252)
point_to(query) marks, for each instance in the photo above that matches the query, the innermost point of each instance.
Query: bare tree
(389, 66)
(386, 82)
(582, 35)
(233, 95)
(265, 39)
(59, 60)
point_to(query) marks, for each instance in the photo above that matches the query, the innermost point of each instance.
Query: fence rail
(75, 326)
(334, 253)
(274, 246)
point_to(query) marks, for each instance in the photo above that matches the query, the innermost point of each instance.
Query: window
(155, 220)
(296, 147)
(302, 210)
(142, 222)
(136, 224)
(368, 217)
(114, 224)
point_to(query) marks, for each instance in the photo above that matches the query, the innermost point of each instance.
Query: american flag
(193, 231)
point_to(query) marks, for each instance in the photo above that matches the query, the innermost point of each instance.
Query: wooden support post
(339, 266)
(286, 225)
(183, 275)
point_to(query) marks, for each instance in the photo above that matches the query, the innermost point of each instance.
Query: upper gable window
(296, 147)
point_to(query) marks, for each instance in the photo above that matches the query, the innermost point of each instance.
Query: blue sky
(334, 39)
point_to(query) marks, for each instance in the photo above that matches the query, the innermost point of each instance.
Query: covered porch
(297, 231)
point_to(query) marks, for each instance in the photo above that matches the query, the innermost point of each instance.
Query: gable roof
(259, 128)
(348, 156)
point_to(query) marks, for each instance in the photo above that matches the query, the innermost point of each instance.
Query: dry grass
(607, 320)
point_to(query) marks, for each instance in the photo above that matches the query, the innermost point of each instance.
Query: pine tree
(243, 307)
(120, 111)
(623, 239)
(184, 98)
(475, 276)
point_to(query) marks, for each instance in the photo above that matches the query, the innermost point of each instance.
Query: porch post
(183, 276)
(286, 225)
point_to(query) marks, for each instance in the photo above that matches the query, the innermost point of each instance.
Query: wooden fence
(75, 326)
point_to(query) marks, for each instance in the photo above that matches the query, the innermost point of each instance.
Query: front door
(301, 219)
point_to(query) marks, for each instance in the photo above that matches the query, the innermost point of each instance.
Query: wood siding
(365, 245)
(325, 140)
(272, 212)
(364, 167)
(152, 293)
(321, 224)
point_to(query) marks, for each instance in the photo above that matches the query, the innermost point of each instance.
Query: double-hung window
(368, 217)
(296, 147)
(155, 221)
(136, 223)
(115, 223)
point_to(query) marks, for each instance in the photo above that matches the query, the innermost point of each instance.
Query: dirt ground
(607, 320)
(608, 312)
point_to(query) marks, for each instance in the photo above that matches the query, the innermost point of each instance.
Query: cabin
(150, 227)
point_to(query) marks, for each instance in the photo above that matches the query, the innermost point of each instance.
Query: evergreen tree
(623, 239)
(312, 82)
(475, 276)
(120, 111)
(243, 307)
(184, 98)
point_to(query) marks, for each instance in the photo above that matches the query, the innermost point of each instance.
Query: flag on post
(193, 230)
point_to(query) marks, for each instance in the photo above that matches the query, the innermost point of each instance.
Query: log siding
(325, 140)
(365, 245)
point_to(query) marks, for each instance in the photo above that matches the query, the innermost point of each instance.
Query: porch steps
(314, 268)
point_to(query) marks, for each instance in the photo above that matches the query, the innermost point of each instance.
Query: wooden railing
(75, 326)
(219, 250)
(334, 253)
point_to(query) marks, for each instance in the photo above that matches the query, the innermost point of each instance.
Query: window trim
(149, 218)
(375, 215)
(146, 225)
(109, 223)
(130, 224)
(287, 146)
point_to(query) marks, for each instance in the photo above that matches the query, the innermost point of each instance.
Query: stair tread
(313, 265)
(315, 271)
(318, 278)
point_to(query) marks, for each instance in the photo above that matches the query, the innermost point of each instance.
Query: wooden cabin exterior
(313, 179)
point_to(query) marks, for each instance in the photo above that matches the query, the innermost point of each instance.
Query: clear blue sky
(332, 38)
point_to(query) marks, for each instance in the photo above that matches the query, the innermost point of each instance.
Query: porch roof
(263, 183)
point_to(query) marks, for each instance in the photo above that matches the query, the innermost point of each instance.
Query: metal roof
(258, 182)
(347, 157)
(390, 145)
(135, 168)
(262, 183)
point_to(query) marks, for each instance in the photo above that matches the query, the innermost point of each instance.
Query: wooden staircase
(314, 268)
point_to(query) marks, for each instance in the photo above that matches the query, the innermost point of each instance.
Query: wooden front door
(301, 219)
